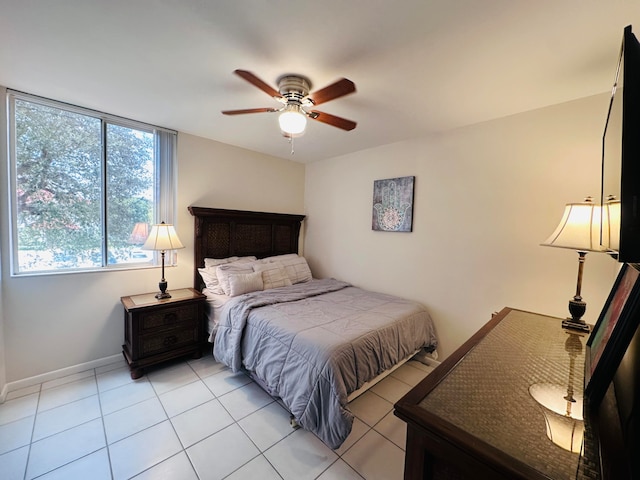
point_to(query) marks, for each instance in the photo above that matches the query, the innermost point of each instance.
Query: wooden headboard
(225, 233)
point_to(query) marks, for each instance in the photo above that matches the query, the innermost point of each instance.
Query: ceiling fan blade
(340, 88)
(249, 110)
(255, 81)
(332, 120)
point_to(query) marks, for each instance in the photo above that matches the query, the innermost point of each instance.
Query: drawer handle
(170, 340)
(170, 317)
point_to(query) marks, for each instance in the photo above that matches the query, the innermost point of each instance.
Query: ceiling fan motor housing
(294, 88)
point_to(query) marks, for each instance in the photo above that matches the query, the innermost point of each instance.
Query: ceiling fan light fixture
(292, 121)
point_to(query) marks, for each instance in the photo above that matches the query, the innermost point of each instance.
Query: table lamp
(579, 229)
(162, 237)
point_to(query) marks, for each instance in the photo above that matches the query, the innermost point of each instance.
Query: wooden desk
(475, 417)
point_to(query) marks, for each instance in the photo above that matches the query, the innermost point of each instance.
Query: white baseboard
(63, 372)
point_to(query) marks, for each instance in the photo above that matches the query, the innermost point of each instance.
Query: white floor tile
(14, 464)
(15, 434)
(358, 429)
(62, 448)
(425, 368)
(409, 373)
(171, 377)
(94, 466)
(245, 400)
(391, 389)
(256, 469)
(133, 419)
(201, 422)
(394, 429)
(340, 471)
(177, 467)
(267, 426)
(22, 407)
(220, 423)
(66, 416)
(143, 450)
(125, 396)
(67, 392)
(370, 408)
(238, 450)
(206, 366)
(387, 463)
(185, 397)
(114, 378)
(300, 456)
(225, 381)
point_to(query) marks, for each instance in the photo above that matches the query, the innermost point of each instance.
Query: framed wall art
(612, 333)
(393, 204)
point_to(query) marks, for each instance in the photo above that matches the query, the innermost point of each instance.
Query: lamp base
(577, 307)
(576, 324)
(163, 290)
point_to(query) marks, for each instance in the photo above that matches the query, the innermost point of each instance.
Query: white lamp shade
(579, 228)
(563, 419)
(292, 122)
(162, 237)
(611, 225)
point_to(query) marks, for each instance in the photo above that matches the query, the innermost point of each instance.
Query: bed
(313, 344)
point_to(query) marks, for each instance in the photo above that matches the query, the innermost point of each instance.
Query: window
(84, 186)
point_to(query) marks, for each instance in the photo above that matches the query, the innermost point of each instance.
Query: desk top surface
(490, 393)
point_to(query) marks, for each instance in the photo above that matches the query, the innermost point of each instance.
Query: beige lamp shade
(611, 225)
(162, 237)
(579, 228)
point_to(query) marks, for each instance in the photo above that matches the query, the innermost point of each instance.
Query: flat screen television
(620, 187)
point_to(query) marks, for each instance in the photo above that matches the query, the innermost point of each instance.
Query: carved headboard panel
(225, 233)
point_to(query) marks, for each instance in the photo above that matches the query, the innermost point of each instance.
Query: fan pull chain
(291, 142)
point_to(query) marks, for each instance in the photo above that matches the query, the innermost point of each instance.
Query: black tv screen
(621, 156)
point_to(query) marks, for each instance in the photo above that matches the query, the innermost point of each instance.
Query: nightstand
(159, 330)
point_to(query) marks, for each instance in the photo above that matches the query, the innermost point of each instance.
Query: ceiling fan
(298, 103)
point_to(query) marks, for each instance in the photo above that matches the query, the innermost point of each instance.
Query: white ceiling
(420, 66)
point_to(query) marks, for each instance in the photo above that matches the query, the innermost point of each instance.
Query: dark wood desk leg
(418, 464)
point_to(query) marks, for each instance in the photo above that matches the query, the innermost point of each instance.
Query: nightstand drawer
(168, 317)
(168, 340)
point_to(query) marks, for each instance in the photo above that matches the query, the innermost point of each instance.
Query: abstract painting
(393, 204)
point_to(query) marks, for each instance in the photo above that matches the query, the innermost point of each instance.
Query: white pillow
(223, 272)
(273, 274)
(297, 269)
(214, 262)
(210, 279)
(209, 273)
(277, 258)
(244, 283)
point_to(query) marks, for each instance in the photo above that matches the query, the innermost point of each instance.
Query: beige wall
(58, 321)
(485, 198)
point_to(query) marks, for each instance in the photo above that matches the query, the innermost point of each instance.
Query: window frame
(165, 170)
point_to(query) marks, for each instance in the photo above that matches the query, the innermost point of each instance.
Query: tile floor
(190, 420)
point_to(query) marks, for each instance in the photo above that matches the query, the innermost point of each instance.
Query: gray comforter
(313, 343)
